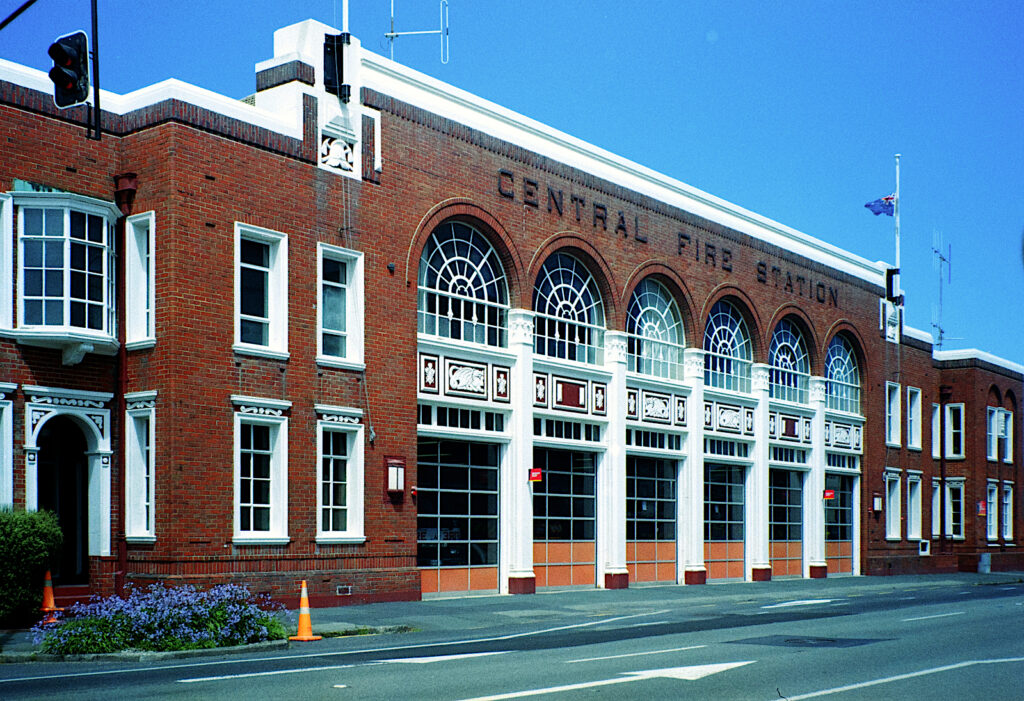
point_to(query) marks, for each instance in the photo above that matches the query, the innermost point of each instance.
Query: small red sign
(982, 508)
(830, 494)
(535, 474)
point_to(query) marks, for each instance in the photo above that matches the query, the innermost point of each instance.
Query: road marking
(275, 673)
(686, 673)
(444, 658)
(336, 653)
(938, 615)
(907, 598)
(340, 686)
(637, 654)
(800, 602)
(900, 677)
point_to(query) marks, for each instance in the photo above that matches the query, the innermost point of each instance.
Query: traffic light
(70, 72)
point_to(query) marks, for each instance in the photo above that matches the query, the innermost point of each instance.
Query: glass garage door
(650, 519)
(457, 515)
(723, 521)
(564, 518)
(785, 522)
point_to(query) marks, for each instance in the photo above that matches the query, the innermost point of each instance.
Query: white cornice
(975, 354)
(434, 96)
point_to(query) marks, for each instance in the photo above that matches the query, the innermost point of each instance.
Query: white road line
(800, 602)
(263, 674)
(900, 677)
(336, 653)
(443, 658)
(938, 615)
(637, 654)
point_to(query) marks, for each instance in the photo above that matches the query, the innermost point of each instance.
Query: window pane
(255, 253)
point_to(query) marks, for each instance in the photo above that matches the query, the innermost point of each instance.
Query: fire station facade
(408, 342)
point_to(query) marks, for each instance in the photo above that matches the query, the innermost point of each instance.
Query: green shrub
(29, 541)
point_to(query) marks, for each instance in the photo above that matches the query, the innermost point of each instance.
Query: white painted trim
(278, 533)
(6, 262)
(975, 354)
(430, 94)
(355, 482)
(354, 292)
(277, 292)
(171, 89)
(140, 282)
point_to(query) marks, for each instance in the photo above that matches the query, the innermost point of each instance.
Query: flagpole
(896, 213)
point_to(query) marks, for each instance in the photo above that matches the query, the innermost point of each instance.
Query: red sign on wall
(829, 494)
(535, 474)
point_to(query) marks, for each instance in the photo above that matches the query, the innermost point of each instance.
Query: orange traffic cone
(49, 607)
(305, 624)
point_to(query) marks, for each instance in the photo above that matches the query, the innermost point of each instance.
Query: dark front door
(63, 489)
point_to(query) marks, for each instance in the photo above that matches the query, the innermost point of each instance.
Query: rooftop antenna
(938, 260)
(442, 31)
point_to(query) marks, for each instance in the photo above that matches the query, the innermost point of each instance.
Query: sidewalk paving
(473, 616)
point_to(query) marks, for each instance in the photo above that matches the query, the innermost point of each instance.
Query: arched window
(655, 331)
(790, 373)
(727, 354)
(463, 293)
(569, 321)
(842, 388)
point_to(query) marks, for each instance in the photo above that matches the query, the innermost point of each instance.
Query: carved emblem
(728, 419)
(680, 410)
(599, 393)
(656, 407)
(632, 410)
(428, 373)
(466, 378)
(336, 154)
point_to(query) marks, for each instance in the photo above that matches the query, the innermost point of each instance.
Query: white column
(516, 508)
(814, 489)
(690, 508)
(611, 477)
(99, 502)
(759, 567)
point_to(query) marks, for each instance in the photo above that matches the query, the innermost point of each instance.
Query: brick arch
(799, 317)
(468, 212)
(676, 287)
(995, 397)
(745, 305)
(1010, 403)
(847, 329)
(574, 244)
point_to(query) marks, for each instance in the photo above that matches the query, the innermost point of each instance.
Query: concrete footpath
(473, 616)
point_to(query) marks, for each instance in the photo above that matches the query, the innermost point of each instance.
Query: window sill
(340, 540)
(140, 539)
(890, 444)
(69, 341)
(340, 363)
(893, 539)
(260, 540)
(915, 448)
(259, 351)
(142, 344)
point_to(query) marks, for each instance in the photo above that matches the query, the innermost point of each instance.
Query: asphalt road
(951, 641)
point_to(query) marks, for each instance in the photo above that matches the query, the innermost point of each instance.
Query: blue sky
(792, 109)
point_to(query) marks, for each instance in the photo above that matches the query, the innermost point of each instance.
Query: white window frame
(7, 444)
(992, 510)
(892, 414)
(913, 506)
(6, 262)
(263, 412)
(955, 530)
(913, 418)
(1007, 436)
(936, 508)
(140, 281)
(936, 431)
(74, 341)
(1007, 511)
(277, 292)
(893, 506)
(993, 418)
(354, 290)
(337, 419)
(954, 428)
(140, 468)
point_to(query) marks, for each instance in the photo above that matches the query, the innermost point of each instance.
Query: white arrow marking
(688, 673)
(800, 602)
(443, 658)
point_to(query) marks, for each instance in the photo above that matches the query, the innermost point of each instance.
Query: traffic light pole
(96, 124)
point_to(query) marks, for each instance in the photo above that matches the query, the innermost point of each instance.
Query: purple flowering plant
(164, 618)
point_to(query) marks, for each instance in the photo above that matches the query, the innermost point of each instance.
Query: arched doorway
(63, 488)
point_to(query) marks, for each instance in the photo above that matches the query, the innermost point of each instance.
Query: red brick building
(397, 340)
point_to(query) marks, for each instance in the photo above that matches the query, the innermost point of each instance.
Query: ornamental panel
(465, 379)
